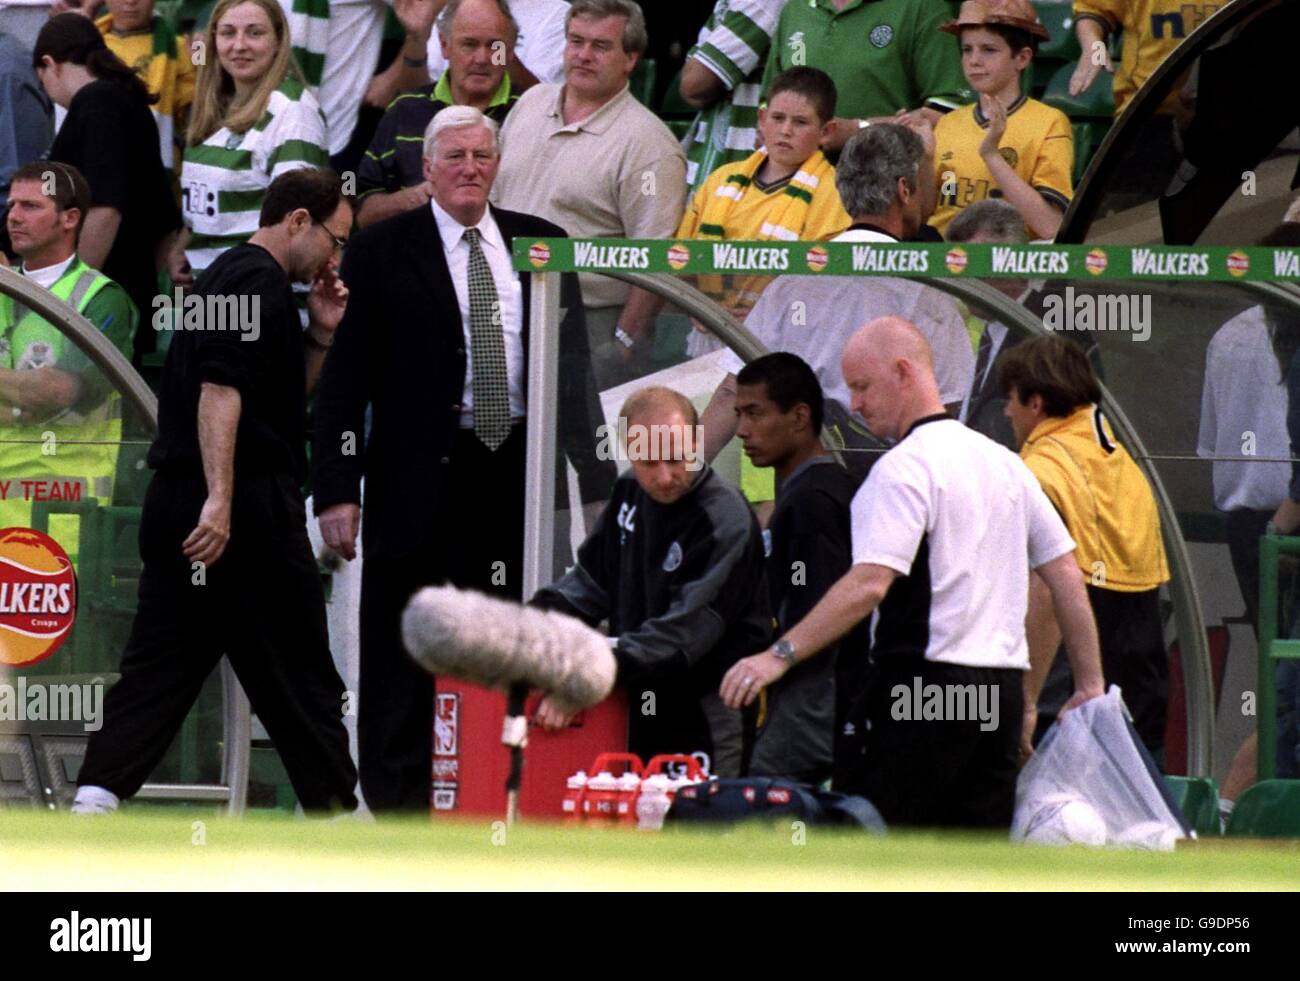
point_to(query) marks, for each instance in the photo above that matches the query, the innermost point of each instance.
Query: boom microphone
(497, 644)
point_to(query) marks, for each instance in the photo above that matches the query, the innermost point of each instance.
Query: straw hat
(1009, 13)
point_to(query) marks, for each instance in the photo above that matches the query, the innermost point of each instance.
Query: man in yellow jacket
(1053, 401)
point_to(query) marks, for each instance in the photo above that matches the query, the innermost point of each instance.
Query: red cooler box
(470, 765)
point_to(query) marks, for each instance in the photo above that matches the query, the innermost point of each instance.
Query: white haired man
(435, 341)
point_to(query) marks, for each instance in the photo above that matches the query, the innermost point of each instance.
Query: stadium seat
(1097, 101)
(192, 15)
(1269, 809)
(674, 111)
(673, 105)
(1091, 112)
(1058, 17)
(644, 77)
(1198, 799)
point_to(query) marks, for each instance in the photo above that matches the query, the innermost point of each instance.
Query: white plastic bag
(1090, 782)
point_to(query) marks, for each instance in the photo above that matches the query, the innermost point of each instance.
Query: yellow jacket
(1102, 497)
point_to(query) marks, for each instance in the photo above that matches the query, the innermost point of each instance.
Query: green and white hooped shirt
(224, 179)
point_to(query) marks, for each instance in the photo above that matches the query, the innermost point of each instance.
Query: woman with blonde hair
(253, 119)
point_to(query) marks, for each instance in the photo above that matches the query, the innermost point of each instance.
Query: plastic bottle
(600, 800)
(629, 789)
(653, 803)
(571, 806)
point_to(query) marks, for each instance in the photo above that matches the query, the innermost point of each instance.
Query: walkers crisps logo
(38, 596)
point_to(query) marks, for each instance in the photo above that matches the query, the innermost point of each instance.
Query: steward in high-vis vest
(60, 418)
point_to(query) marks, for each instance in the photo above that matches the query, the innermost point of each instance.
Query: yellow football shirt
(162, 60)
(747, 219)
(1038, 144)
(1103, 498)
(1152, 29)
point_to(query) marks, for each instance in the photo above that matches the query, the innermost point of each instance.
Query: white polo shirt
(962, 520)
(814, 317)
(1245, 393)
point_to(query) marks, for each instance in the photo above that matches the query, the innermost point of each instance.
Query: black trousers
(262, 605)
(481, 548)
(1245, 528)
(1133, 656)
(923, 772)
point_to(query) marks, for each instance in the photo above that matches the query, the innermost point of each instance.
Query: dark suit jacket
(986, 413)
(401, 350)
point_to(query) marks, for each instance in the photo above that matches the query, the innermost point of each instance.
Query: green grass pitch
(194, 849)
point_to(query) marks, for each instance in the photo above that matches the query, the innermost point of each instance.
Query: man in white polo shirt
(590, 158)
(813, 316)
(945, 531)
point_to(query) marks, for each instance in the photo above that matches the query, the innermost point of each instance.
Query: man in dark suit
(984, 408)
(435, 341)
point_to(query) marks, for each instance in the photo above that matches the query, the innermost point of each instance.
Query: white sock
(94, 800)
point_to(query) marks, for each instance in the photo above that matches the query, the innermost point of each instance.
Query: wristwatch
(785, 651)
(624, 338)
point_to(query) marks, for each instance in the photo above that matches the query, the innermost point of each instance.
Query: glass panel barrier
(76, 422)
(1191, 346)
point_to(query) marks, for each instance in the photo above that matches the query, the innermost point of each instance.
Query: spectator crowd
(186, 164)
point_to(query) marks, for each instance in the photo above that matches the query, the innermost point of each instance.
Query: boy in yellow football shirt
(784, 192)
(1151, 29)
(1005, 145)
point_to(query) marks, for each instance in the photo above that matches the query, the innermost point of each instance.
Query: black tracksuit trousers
(262, 605)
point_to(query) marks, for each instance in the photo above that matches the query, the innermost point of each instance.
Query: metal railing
(539, 515)
(1271, 649)
(236, 721)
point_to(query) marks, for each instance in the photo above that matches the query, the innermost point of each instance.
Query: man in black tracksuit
(801, 722)
(223, 535)
(676, 565)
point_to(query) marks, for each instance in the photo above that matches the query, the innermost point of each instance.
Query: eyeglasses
(339, 243)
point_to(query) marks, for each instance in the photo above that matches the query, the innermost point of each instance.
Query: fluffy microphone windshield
(496, 643)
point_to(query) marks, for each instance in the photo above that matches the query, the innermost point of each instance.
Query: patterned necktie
(488, 350)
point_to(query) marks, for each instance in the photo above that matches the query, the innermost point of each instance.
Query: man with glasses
(223, 535)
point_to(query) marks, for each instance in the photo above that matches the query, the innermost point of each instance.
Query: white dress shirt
(508, 289)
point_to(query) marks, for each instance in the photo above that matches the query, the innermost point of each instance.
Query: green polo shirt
(395, 158)
(884, 55)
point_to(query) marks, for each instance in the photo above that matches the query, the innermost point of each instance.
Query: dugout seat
(1198, 799)
(1269, 809)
